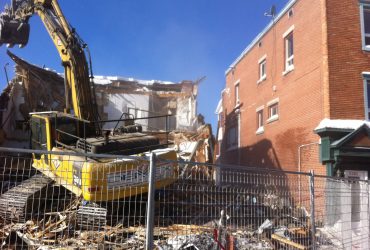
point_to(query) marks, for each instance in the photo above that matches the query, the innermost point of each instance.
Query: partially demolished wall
(39, 89)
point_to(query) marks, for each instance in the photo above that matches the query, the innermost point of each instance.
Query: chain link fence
(54, 200)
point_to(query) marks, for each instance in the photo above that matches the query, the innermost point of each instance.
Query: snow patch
(341, 124)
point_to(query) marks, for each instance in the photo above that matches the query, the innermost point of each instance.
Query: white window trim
(260, 130)
(290, 30)
(264, 76)
(237, 86)
(366, 77)
(288, 68)
(262, 59)
(237, 82)
(363, 35)
(272, 102)
(276, 116)
(260, 108)
(273, 118)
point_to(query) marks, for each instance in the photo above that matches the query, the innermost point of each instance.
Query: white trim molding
(262, 59)
(274, 117)
(363, 35)
(290, 30)
(289, 69)
(260, 108)
(272, 102)
(260, 130)
(366, 77)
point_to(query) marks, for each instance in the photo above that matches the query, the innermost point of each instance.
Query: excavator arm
(14, 30)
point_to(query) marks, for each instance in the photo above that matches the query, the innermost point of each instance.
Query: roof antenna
(272, 12)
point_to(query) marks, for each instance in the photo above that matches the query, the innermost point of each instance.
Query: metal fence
(187, 206)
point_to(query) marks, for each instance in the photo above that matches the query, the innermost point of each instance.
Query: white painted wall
(118, 103)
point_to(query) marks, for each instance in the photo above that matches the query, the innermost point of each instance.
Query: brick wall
(346, 59)
(300, 92)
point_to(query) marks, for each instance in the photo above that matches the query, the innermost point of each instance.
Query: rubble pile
(199, 230)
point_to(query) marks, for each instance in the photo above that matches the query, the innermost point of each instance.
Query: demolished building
(171, 106)
(41, 89)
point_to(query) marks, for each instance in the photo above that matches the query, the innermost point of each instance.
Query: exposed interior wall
(37, 89)
(114, 105)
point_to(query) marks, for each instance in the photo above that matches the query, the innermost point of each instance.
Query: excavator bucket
(14, 32)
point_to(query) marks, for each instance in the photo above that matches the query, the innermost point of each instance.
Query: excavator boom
(15, 30)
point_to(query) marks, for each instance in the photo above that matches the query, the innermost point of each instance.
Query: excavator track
(91, 216)
(19, 203)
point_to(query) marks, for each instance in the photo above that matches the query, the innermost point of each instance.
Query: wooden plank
(299, 230)
(288, 242)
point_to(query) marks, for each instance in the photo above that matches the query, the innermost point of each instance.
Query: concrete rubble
(59, 230)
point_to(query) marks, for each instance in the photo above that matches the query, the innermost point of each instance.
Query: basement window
(365, 25)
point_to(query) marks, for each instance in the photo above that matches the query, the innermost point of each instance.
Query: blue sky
(169, 40)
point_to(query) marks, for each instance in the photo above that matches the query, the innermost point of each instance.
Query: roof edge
(260, 35)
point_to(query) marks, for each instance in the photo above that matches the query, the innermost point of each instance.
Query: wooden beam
(288, 242)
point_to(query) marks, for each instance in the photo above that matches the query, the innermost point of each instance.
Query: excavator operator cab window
(38, 134)
(67, 130)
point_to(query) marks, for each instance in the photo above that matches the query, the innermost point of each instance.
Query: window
(273, 110)
(262, 69)
(237, 100)
(289, 52)
(260, 128)
(290, 13)
(367, 97)
(232, 139)
(365, 25)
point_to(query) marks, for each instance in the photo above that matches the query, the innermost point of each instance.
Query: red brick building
(309, 64)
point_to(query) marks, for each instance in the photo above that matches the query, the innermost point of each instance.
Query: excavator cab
(13, 31)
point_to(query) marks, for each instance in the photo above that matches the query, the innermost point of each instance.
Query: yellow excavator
(77, 129)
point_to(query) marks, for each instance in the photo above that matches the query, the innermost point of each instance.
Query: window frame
(271, 105)
(262, 64)
(259, 120)
(288, 60)
(235, 144)
(362, 21)
(366, 77)
(237, 93)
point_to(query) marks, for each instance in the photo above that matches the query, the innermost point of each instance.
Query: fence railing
(78, 201)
